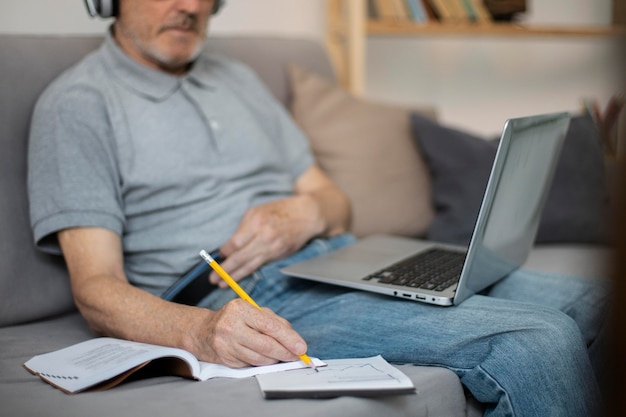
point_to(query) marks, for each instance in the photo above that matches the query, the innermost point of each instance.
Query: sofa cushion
(367, 149)
(459, 162)
(152, 394)
(32, 285)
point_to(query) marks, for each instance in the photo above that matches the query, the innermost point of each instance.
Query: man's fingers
(240, 355)
(280, 331)
(245, 335)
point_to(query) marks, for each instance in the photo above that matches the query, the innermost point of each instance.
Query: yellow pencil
(241, 293)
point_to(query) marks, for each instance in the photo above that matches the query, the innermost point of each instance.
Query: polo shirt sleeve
(73, 178)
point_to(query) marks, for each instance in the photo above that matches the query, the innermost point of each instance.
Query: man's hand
(267, 232)
(279, 228)
(240, 335)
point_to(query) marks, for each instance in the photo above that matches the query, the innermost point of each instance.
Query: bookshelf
(348, 27)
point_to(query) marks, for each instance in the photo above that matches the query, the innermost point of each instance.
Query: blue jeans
(520, 352)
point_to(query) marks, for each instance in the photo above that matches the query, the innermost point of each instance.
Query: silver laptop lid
(514, 199)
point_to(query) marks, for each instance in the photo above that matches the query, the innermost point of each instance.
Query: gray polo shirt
(169, 163)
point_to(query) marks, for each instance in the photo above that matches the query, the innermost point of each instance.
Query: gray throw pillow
(577, 208)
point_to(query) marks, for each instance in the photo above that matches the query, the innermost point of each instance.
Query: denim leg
(517, 358)
(585, 300)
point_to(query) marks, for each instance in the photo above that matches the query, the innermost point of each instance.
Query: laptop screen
(518, 186)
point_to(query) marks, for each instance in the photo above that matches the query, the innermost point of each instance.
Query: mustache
(183, 21)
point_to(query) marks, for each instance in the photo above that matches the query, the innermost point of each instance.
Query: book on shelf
(386, 9)
(470, 11)
(417, 11)
(457, 10)
(105, 362)
(431, 16)
(480, 11)
(402, 10)
(441, 10)
(389, 10)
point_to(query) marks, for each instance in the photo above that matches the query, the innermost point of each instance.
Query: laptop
(504, 233)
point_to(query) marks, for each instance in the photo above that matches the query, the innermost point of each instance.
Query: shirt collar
(148, 82)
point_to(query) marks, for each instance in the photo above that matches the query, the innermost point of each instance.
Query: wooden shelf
(374, 27)
(348, 28)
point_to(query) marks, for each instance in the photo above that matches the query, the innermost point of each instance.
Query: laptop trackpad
(358, 260)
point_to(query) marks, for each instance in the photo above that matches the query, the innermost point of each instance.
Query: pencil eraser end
(206, 256)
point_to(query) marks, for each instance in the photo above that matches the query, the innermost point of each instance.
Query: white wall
(572, 12)
(476, 82)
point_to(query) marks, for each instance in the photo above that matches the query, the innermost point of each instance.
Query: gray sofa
(37, 314)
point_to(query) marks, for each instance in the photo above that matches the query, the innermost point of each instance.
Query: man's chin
(180, 57)
(184, 47)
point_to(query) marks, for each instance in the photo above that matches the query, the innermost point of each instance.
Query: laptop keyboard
(435, 269)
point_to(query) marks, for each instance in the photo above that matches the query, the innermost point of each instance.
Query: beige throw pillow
(367, 149)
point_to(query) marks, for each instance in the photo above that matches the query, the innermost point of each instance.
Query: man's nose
(195, 6)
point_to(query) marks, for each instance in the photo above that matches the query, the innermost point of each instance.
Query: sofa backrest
(34, 285)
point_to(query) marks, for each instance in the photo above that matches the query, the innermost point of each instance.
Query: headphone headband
(109, 8)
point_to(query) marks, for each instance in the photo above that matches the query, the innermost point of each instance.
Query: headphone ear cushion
(108, 8)
(218, 5)
(92, 8)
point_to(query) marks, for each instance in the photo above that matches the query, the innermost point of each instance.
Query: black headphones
(109, 8)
